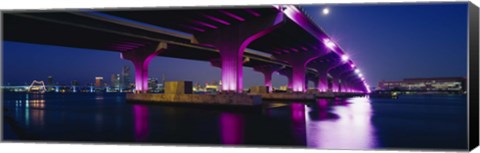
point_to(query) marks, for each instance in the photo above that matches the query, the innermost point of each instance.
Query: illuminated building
(98, 81)
(152, 84)
(444, 84)
(116, 81)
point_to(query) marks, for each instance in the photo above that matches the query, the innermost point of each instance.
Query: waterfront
(420, 122)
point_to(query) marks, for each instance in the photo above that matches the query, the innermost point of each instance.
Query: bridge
(278, 38)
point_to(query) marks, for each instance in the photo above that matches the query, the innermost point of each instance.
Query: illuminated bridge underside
(284, 35)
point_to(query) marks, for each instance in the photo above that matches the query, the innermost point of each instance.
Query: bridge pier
(299, 67)
(313, 78)
(322, 82)
(141, 58)
(267, 71)
(232, 41)
(288, 74)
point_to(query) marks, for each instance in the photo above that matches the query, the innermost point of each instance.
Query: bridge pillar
(141, 58)
(313, 78)
(298, 75)
(232, 41)
(322, 83)
(299, 68)
(340, 84)
(267, 71)
(288, 74)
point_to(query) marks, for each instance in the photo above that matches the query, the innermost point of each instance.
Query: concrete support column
(298, 74)
(350, 80)
(288, 74)
(141, 58)
(316, 83)
(306, 84)
(331, 85)
(232, 41)
(267, 71)
(340, 85)
(322, 82)
(323, 64)
(313, 78)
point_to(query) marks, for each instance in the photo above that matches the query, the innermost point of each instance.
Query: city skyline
(373, 55)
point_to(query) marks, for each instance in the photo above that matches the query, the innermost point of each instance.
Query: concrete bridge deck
(274, 38)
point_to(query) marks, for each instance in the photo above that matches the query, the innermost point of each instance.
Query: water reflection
(99, 97)
(140, 114)
(231, 126)
(38, 118)
(321, 110)
(350, 130)
(298, 124)
(33, 108)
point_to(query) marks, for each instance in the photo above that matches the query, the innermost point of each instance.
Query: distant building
(152, 84)
(448, 84)
(98, 81)
(50, 80)
(75, 83)
(116, 81)
(124, 78)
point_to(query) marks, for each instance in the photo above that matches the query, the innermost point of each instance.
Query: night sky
(387, 42)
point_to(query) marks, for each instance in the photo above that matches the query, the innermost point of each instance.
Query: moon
(325, 11)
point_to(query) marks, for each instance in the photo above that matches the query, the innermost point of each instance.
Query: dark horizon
(387, 42)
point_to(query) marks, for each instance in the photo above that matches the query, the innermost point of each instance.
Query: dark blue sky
(396, 41)
(387, 42)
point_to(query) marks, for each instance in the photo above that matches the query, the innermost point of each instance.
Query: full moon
(326, 11)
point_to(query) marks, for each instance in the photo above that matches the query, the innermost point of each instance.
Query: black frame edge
(473, 78)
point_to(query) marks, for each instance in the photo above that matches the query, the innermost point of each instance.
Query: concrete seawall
(216, 99)
(287, 96)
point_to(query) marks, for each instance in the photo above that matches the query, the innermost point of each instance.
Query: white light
(329, 43)
(360, 75)
(325, 11)
(345, 58)
(357, 71)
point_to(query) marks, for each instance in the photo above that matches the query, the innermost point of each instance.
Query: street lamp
(345, 58)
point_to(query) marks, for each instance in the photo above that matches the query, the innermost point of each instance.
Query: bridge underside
(188, 34)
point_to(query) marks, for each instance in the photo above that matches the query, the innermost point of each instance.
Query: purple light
(298, 112)
(232, 15)
(298, 77)
(232, 56)
(252, 12)
(217, 19)
(231, 126)
(357, 71)
(140, 114)
(204, 24)
(329, 43)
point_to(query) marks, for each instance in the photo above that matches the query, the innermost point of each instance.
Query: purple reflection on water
(298, 121)
(141, 122)
(323, 109)
(351, 130)
(298, 112)
(231, 126)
